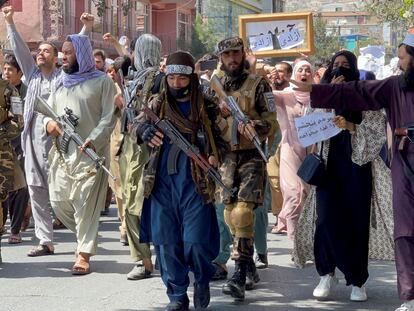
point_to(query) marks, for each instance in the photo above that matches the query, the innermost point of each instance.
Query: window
(115, 18)
(143, 17)
(66, 11)
(17, 4)
(183, 26)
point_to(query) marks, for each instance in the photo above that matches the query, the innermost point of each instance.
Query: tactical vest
(246, 98)
(4, 104)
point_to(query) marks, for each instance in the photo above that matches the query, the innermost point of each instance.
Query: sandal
(15, 239)
(81, 267)
(40, 250)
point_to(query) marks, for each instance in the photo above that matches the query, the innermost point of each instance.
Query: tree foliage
(203, 39)
(326, 44)
(399, 12)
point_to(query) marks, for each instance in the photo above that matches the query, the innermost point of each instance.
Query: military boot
(201, 296)
(235, 287)
(252, 276)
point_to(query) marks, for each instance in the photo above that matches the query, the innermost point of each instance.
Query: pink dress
(290, 105)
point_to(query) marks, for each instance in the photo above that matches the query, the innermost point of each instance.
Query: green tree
(392, 11)
(326, 44)
(203, 39)
(399, 13)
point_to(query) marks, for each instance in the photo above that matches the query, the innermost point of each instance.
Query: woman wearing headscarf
(355, 192)
(290, 105)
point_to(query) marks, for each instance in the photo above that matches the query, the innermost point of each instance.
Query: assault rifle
(129, 92)
(189, 149)
(68, 122)
(237, 114)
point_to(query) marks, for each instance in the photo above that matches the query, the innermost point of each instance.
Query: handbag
(312, 169)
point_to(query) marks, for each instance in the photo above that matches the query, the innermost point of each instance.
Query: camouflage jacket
(11, 124)
(204, 185)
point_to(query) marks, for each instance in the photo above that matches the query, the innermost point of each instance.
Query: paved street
(45, 283)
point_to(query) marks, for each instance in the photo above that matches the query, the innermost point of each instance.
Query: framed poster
(278, 35)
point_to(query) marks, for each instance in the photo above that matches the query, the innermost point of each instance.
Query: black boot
(180, 305)
(236, 285)
(201, 296)
(252, 276)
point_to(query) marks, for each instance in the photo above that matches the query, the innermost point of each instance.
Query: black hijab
(350, 74)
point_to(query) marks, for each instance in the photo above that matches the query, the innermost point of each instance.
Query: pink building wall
(164, 26)
(27, 22)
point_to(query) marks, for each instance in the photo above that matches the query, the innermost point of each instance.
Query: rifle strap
(207, 124)
(65, 167)
(148, 85)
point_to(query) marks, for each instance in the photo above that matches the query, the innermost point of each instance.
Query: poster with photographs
(278, 35)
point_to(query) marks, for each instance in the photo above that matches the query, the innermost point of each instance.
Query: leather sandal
(14, 239)
(40, 250)
(81, 267)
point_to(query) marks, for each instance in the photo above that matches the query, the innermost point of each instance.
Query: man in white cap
(396, 95)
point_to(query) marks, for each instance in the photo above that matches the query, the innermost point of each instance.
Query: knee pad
(242, 215)
(227, 217)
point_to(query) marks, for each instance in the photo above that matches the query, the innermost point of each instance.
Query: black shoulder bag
(312, 170)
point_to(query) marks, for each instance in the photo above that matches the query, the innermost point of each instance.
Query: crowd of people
(198, 152)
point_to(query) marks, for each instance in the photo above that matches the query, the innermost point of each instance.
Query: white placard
(316, 127)
(261, 43)
(290, 39)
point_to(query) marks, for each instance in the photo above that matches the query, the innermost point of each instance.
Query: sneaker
(220, 274)
(406, 306)
(324, 287)
(139, 273)
(358, 293)
(261, 261)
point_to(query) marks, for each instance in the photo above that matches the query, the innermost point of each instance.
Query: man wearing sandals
(77, 189)
(39, 76)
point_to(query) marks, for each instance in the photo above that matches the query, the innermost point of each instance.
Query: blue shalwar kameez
(184, 230)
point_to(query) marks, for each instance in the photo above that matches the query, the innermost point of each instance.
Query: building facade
(53, 20)
(223, 15)
(342, 16)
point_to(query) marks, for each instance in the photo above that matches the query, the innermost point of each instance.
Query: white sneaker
(358, 293)
(407, 306)
(324, 287)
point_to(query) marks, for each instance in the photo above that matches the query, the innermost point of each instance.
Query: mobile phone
(208, 65)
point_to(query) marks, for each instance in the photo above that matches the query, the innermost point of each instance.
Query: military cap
(230, 44)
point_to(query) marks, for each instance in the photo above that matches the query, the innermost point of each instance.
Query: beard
(73, 68)
(407, 78)
(236, 72)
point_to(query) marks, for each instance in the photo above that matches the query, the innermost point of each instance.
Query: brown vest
(245, 97)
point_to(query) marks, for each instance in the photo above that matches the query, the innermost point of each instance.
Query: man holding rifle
(248, 107)
(176, 181)
(77, 189)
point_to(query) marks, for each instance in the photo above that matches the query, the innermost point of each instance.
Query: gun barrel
(41, 106)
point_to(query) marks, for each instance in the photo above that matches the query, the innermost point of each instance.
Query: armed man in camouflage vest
(11, 123)
(244, 167)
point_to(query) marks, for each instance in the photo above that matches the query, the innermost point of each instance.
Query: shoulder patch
(270, 101)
